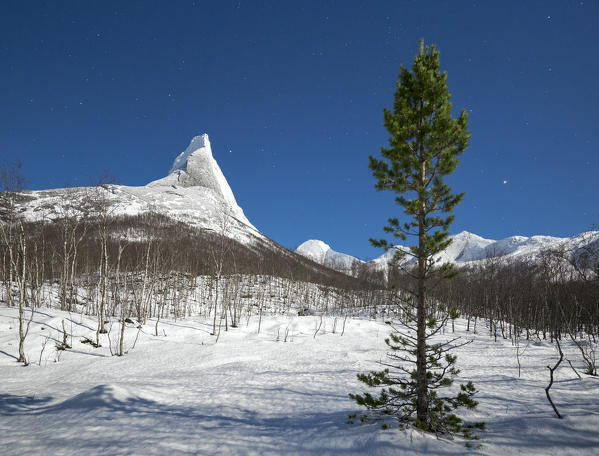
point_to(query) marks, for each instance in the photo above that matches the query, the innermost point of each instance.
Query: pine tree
(425, 142)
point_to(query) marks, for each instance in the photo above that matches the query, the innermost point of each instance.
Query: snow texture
(180, 393)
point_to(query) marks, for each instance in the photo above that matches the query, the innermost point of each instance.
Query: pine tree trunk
(422, 393)
(422, 399)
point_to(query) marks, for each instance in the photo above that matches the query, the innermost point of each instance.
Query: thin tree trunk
(551, 370)
(22, 291)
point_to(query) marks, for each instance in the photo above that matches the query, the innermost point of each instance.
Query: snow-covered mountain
(466, 248)
(195, 192)
(193, 199)
(196, 167)
(322, 253)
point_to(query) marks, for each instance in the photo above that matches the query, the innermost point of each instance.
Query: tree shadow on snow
(8, 354)
(110, 417)
(11, 404)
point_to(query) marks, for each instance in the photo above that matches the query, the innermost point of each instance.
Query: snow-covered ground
(255, 393)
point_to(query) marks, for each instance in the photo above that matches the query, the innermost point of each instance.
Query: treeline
(82, 232)
(554, 295)
(63, 249)
(83, 256)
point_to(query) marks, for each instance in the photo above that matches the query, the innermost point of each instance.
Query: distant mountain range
(196, 193)
(466, 248)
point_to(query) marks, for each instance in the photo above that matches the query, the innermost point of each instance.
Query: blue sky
(291, 94)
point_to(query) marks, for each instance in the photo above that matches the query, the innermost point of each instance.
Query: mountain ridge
(468, 248)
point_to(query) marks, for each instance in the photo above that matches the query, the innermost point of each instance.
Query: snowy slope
(195, 192)
(465, 247)
(530, 248)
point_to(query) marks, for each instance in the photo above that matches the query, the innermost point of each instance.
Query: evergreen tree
(425, 142)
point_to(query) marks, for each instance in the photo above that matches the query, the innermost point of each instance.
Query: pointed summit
(196, 167)
(196, 144)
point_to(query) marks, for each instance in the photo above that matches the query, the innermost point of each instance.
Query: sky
(292, 94)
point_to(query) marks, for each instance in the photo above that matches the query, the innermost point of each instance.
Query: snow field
(182, 393)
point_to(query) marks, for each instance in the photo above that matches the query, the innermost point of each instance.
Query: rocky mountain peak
(196, 167)
(198, 145)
